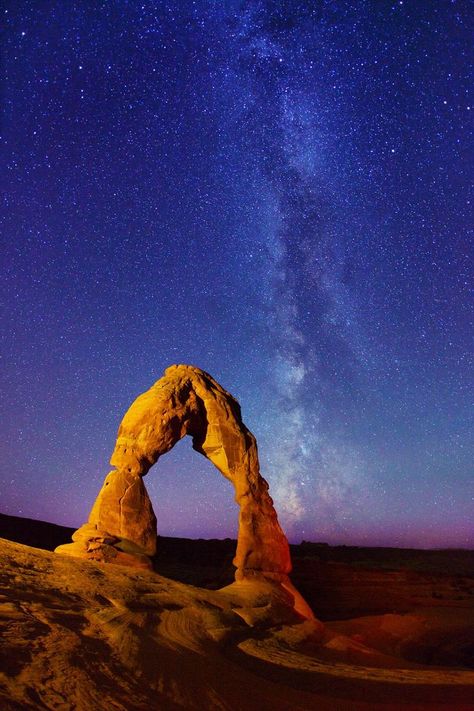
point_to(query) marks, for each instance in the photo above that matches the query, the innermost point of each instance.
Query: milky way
(276, 192)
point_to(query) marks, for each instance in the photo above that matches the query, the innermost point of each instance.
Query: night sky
(276, 192)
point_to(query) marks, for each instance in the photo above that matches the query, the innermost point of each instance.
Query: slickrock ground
(84, 635)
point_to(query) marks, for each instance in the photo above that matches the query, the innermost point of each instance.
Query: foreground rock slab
(82, 635)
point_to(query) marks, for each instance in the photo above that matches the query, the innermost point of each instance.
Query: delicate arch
(185, 401)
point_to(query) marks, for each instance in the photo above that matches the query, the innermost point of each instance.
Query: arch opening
(190, 497)
(197, 519)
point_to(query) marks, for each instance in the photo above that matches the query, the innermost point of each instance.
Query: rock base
(90, 543)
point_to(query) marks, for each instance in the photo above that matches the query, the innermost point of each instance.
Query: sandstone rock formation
(79, 636)
(185, 401)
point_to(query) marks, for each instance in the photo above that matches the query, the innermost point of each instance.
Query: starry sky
(274, 191)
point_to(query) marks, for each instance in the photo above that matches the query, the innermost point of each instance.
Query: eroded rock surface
(122, 524)
(185, 401)
(86, 637)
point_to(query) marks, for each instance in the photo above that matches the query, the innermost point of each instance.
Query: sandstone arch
(185, 401)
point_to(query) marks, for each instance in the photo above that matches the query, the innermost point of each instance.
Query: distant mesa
(122, 525)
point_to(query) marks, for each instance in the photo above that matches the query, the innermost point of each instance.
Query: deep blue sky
(276, 192)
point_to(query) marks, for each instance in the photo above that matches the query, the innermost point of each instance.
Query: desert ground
(394, 629)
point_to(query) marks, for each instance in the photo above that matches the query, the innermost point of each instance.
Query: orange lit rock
(185, 401)
(124, 508)
(122, 525)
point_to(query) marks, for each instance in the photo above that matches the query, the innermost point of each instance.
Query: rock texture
(83, 636)
(185, 401)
